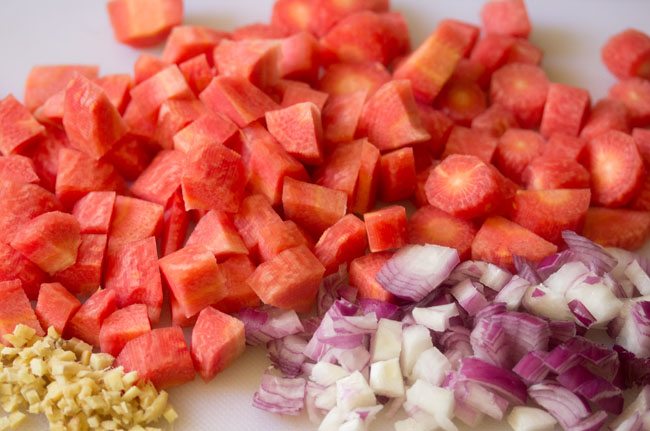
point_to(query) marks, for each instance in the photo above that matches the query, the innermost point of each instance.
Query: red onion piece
(589, 253)
(455, 344)
(552, 263)
(469, 297)
(382, 309)
(417, 270)
(526, 270)
(495, 277)
(635, 333)
(472, 269)
(513, 292)
(565, 406)
(504, 382)
(581, 313)
(634, 371)
(531, 367)
(561, 331)
(280, 395)
(264, 325)
(593, 388)
(638, 276)
(481, 399)
(287, 354)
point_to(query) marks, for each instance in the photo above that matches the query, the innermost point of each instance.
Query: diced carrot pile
(242, 167)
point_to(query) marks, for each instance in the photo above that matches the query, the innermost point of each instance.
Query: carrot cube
(15, 310)
(507, 17)
(17, 126)
(187, 41)
(523, 51)
(462, 101)
(326, 13)
(130, 157)
(132, 273)
(197, 73)
(341, 243)
(211, 128)
(397, 175)
(15, 266)
(194, 278)
(160, 356)
(298, 128)
(341, 169)
(495, 120)
(627, 54)
(292, 16)
(117, 88)
(213, 178)
(561, 145)
(258, 30)
(299, 57)
(217, 340)
(499, 240)
(275, 238)
(642, 140)
(19, 169)
(606, 115)
(635, 95)
(146, 66)
(386, 228)
(237, 99)
(429, 225)
(85, 275)
(438, 126)
(390, 117)
(368, 179)
(297, 92)
(312, 206)
(254, 213)
(239, 294)
(492, 52)
(471, 142)
(175, 223)
(122, 326)
(87, 321)
(257, 61)
(144, 22)
(173, 116)
(50, 240)
(94, 211)
(617, 227)
(516, 149)
(52, 110)
(346, 78)
(21, 203)
(161, 179)
(216, 232)
(55, 306)
(341, 116)
(564, 110)
(545, 173)
(362, 276)
(44, 82)
(290, 280)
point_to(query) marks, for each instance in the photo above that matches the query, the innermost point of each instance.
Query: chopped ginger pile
(75, 388)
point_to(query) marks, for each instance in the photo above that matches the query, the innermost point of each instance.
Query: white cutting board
(571, 33)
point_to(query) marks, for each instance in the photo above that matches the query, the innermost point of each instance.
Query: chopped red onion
(382, 309)
(333, 287)
(594, 422)
(280, 395)
(593, 388)
(589, 253)
(467, 414)
(597, 357)
(287, 354)
(504, 382)
(581, 313)
(513, 292)
(455, 344)
(638, 276)
(633, 423)
(592, 302)
(635, 333)
(472, 269)
(561, 331)
(495, 277)
(435, 318)
(469, 297)
(312, 392)
(639, 409)
(552, 263)
(565, 406)
(490, 342)
(355, 359)
(491, 310)
(417, 270)
(543, 302)
(481, 399)
(264, 325)
(634, 371)
(532, 368)
(526, 270)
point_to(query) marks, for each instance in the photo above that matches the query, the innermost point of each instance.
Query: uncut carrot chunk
(15, 266)
(17, 126)
(15, 309)
(471, 142)
(549, 212)
(254, 60)
(463, 186)
(290, 280)
(499, 240)
(429, 225)
(187, 41)
(346, 78)
(397, 175)
(606, 115)
(627, 54)
(213, 178)
(564, 110)
(45, 81)
(341, 243)
(300, 131)
(87, 321)
(216, 232)
(545, 173)
(312, 206)
(122, 326)
(617, 227)
(292, 16)
(161, 179)
(635, 95)
(55, 306)
(144, 22)
(386, 228)
(516, 149)
(462, 101)
(616, 169)
(508, 17)
(85, 275)
(239, 294)
(522, 89)
(390, 117)
(362, 276)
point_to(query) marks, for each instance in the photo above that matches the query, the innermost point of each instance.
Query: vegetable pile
(256, 183)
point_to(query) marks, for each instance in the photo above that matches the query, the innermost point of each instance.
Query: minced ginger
(75, 388)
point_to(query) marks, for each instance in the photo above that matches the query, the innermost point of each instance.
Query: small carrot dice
(617, 227)
(523, 51)
(146, 66)
(254, 212)
(133, 220)
(300, 57)
(386, 228)
(197, 73)
(368, 179)
(346, 78)
(144, 22)
(463, 140)
(15, 309)
(462, 101)
(561, 145)
(239, 294)
(300, 131)
(341, 243)
(87, 321)
(642, 140)
(606, 115)
(397, 175)
(17, 168)
(495, 120)
(173, 116)
(175, 223)
(492, 52)
(296, 92)
(545, 173)
(507, 17)
(627, 54)
(438, 126)
(116, 87)
(216, 232)
(429, 225)
(122, 326)
(55, 306)
(292, 16)
(44, 82)
(85, 276)
(258, 30)
(635, 95)
(211, 128)
(161, 179)
(15, 266)
(516, 149)
(340, 171)
(564, 110)
(275, 238)
(362, 276)
(326, 13)
(341, 116)
(312, 206)
(187, 41)
(130, 157)
(17, 126)
(254, 60)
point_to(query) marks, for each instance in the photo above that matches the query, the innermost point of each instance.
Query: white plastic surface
(77, 31)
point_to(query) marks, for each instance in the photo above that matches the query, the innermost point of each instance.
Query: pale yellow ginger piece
(170, 414)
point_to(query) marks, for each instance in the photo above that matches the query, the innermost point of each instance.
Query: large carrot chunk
(160, 356)
(130, 157)
(275, 238)
(561, 145)
(187, 41)
(507, 17)
(239, 294)
(79, 174)
(44, 82)
(254, 213)
(19, 169)
(390, 117)
(429, 225)
(237, 99)
(463, 186)
(462, 100)
(161, 178)
(17, 126)
(606, 115)
(15, 266)
(367, 36)
(300, 131)
(314, 207)
(213, 178)
(87, 321)
(133, 220)
(217, 340)
(91, 122)
(341, 243)
(216, 232)
(94, 212)
(132, 273)
(175, 223)
(368, 179)
(144, 22)
(433, 62)
(122, 326)
(326, 13)
(211, 128)
(362, 276)
(548, 212)
(635, 95)
(341, 168)
(616, 168)
(15, 309)
(346, 78)
(21, 203)
(617, 227)
(267, 163)
(341, 116)
(173, 116)
(545, 173)
(50, 240)
(292, 16)
(253, 60)
(499, 240)
(290, 280)
(627, 54)
(194, 278)
(55, 306)
(85, 275)
(516, 149)
(197, 73)
(463, 140)
(564, 110)
(522, 89)
(397, 174)
(386, 228)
